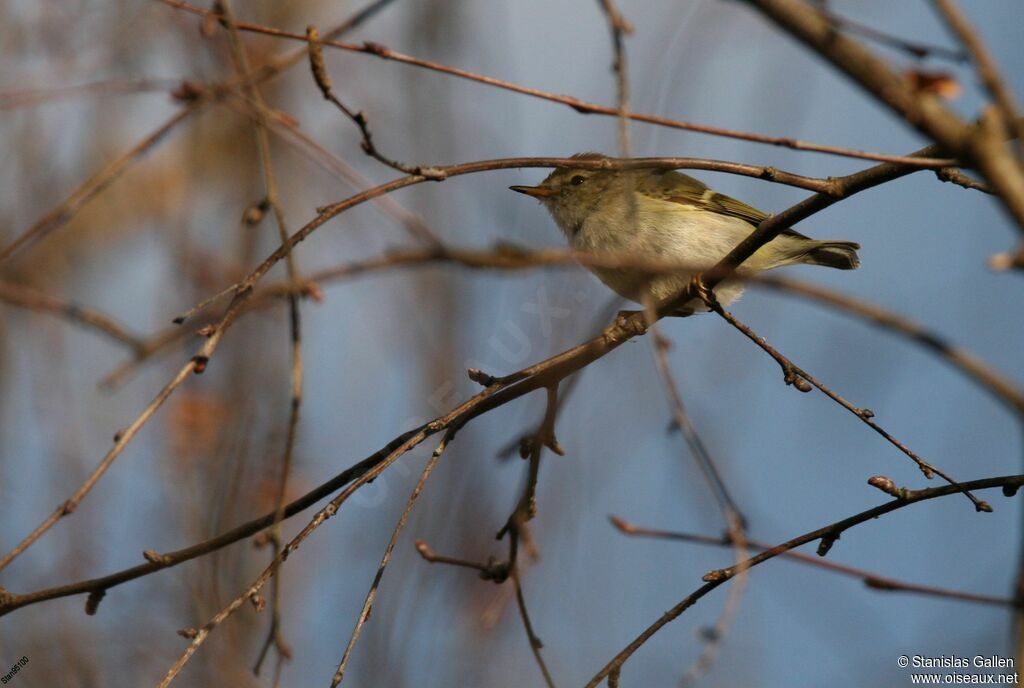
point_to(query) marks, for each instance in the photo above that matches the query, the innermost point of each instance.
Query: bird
(671, 217)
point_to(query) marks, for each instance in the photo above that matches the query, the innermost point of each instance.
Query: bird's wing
(685, 190)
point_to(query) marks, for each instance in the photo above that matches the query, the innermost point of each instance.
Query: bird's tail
(841, 255)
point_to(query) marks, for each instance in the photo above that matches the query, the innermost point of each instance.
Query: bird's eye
(577, 180)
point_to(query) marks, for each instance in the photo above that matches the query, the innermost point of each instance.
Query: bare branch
(371, 595)
(802, 381)
(870, 579)
(575, 103)
(986, 65)
(981, 146)
(619, 28)
(829, 533)
(26, 297)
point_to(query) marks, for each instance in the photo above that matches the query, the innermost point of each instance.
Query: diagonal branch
(803, 381)
(986, 65)
(869, 578)
(540, 375)
(576, 104)
(275, 636)
(827, 534)
(980, 146)
(371, 595)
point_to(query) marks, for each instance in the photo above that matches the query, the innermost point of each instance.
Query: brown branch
(535, 642)
(411, 439)
(734, 521)
(121, 440)
(832, 187)
(869, 578)
(198, 97)
(275, 636)
(540, 375)
(980, 146)
(701, 455)
(986, 65)
(498, 572)
(998, 385)
(802, 380)
(514, 258)
(955, 176)
(371, 595)
(492, 570)
(290, 132)
(10, 100)
(323, 82)
(827, 534)
(60, 214)
(915, 49)
(197, 364)
(508, 258)
(26, 297)
(576, 104)
(168, 559)
(619, 28)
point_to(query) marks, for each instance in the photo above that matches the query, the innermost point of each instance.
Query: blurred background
(386, 351)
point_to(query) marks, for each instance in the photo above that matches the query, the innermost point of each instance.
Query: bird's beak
(535, 191)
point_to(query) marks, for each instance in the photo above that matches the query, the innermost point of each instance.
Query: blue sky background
(390, 349)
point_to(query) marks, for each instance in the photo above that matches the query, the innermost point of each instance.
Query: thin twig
(533, 377)
(827, 534)
(535, 643)
(619, 28)
(526, 507)
(915, 49)
(582, 106)
(197, 364)
(26, 297)
(734, 521)
(986, 65)
(371, 595)
(498, 572)
(869, 578)
(10, 100)
(491, 570)
(64, 211)
(323, 82)
(981, 146)
(800, 379)
(955, 176)
(121, 440)
(275, 635)
(290, 132)
(1002, 388)
(684, 424)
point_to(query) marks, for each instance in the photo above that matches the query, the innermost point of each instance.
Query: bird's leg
(705, 294)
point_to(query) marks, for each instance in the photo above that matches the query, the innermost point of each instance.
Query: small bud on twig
(92, 602)
(155, 557)
(480, 377)
(316, 62)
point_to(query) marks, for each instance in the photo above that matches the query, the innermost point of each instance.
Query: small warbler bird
(671, 217)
